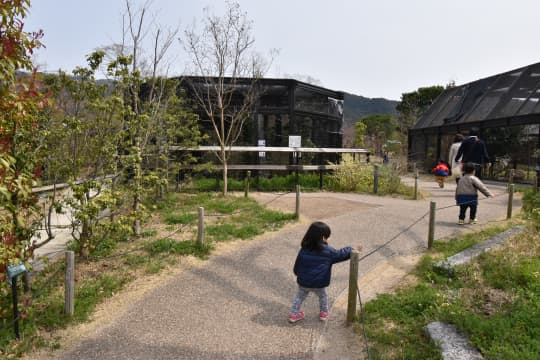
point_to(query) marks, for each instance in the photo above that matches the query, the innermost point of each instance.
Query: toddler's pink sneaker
(323, 315)
(296, 317)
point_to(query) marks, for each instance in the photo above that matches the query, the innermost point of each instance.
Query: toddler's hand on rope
(359, 247)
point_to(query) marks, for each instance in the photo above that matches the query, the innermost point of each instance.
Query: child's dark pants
(463, 209)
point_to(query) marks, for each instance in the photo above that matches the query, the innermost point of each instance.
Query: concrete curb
(469, 254)
(454, 346)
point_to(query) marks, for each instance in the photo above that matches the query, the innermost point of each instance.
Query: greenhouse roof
(512, 96)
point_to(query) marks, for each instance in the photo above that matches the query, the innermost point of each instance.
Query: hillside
(356, 107)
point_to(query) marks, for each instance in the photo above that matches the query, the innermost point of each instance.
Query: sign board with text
(262, 154)
(295, 141)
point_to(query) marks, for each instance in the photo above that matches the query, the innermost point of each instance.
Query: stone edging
(453, 345)
(469, 254)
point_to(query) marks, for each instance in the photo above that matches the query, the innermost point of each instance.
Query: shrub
(531, 206)
(355, 176)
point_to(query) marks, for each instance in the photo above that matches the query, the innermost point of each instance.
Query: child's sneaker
(473, 221)
(461, 222)
(323, 315)
(296, 317)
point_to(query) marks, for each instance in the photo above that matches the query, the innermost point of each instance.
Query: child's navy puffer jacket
(313, 269)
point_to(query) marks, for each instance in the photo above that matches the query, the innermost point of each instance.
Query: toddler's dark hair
(315, 235)
(468, 168)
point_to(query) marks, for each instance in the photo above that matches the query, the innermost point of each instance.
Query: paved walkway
(235, 305)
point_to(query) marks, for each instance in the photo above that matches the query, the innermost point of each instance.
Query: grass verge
(494, 300)
(352, 177)
(168, 237)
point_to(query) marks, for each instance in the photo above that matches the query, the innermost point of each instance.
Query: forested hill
(356, 107)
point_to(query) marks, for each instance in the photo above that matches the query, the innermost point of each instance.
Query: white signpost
(262, 154)
(295, 141)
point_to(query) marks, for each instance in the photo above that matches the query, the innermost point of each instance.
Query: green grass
(226, 216)
(352, 177)
(226, 219)
(47, 308)
(148, 233)
(494, 300)
(308, 181)
(179, 218)
(170, 246)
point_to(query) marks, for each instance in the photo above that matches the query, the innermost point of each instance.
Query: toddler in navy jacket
(313, 268)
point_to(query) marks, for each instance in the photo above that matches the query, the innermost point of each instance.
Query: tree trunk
(84, 239)
(224, 178)
(136, 207)
(224, 162)
(137, 199)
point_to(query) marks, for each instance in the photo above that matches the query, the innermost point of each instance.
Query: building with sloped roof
(506, 110)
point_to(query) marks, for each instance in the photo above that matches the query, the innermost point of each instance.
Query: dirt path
(234, 306)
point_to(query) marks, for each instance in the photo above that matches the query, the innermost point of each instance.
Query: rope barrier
(236, 212)
(470, 202)
(363, 320)
(279, 195)
(414, 223)
(47, 282)
(393, 238)
(5, 327)
(388, 242)
(51, 253)
(140, 248)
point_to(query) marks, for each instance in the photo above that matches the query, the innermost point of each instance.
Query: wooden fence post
(415, 184)
(510, 201)
(248, 178)
(200, 228)
(69, 307)
(297, 208)
(353, 287)
(431, 231)
(375, 178)
(510, 178)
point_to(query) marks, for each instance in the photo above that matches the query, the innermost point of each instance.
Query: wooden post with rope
(69, 306)
(431, 232)
(510, 201)
(200, 228)
(353, 287)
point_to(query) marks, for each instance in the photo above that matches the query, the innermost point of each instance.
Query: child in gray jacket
(467, 194)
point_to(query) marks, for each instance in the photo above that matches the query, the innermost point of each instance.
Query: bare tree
(139, 64)
(145, 109)
(225, 73)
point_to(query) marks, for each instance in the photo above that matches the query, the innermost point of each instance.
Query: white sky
(373, 48)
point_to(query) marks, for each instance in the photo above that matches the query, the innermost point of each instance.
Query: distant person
(441, 172)
(473, 150)
(313, 267)
(455, 165)
(385, 158)
(467, 193)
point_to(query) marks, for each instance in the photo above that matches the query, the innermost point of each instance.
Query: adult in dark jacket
(473, 150)
(313, 268)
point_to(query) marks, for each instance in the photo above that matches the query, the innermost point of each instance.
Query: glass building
(284, 107)
(506, 110)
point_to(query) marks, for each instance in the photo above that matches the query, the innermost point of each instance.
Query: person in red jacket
(441, 172)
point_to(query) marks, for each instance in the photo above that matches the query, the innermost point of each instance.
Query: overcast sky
(373, 48)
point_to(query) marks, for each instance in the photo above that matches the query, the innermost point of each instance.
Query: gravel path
(235, 305)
